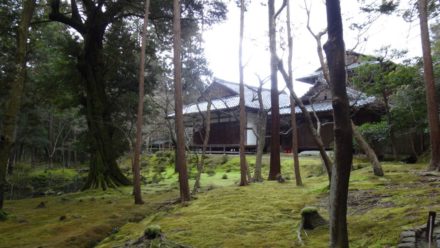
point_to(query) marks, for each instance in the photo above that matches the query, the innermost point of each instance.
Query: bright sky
(222, 40)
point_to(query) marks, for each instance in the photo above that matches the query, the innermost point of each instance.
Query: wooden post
(430, 227)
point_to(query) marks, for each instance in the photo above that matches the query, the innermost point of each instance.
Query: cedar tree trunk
(292, 102)
(261, 135)
(431, 98)
(137, 150)
(275, 168)
(180, 135)
(335, 50)
(13, 100)
(243, 166)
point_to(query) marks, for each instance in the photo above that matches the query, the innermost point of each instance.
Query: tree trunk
(296, 170)
(335, 50)
(431, 98)
(413, 146)
(312, 129)
(261, 136)
(243, 166)
(275, 168)
(201, 163)
(371, 155)
(180, 135)
(104, 171)
(13, 100)
(137, 150)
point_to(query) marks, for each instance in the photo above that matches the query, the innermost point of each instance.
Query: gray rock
(406, 234)
(408, 240)
(406, 245)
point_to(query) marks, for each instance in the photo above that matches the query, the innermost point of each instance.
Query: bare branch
(74, 21)
(281, 9)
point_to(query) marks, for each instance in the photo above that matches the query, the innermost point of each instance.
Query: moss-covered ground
(225, 215)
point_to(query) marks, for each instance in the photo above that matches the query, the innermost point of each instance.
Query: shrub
(210, 172)
(225, 159)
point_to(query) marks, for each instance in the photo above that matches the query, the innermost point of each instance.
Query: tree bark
(335, 51)
(275, 168)
(15, 91)
(243, 166)
(137, 150)
(104, 171)
(261, 136)
(180, 135)
(371, 155)
(296, 169)
(431, 98)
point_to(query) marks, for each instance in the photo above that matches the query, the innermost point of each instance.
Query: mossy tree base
(105, 175)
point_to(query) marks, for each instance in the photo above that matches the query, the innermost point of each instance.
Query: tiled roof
(251, 100)
(327, 106)
(250, 95)
(318, 75)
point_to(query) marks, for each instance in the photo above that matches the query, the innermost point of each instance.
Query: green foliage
(27, 181)
(375, 132)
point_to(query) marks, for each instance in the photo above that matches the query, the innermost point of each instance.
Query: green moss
(226, 215)
(153, 231)
(90, 217)
(308, 210)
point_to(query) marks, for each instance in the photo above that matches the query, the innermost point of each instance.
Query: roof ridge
(224, 82)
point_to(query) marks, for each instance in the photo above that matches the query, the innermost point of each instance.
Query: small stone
(406, 234)
(408, 240)
(406, 245)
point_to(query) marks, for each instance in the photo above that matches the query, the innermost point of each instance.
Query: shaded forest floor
(224, 215)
